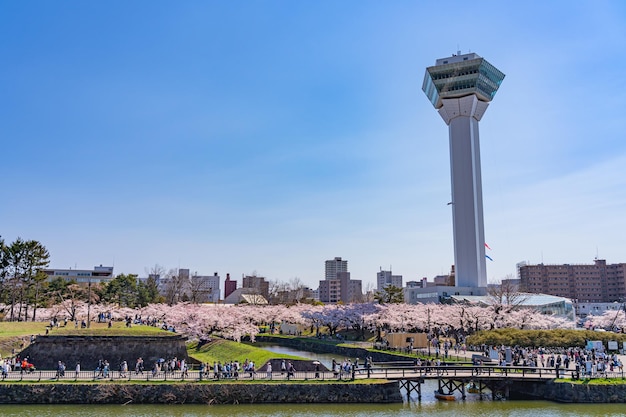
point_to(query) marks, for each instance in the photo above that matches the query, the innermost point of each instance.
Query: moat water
(427, 408)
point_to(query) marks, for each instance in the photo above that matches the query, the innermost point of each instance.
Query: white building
(195, 288)
(97, 275)
(597, 309)
(205, 288)
(335, 266)
(385, 278)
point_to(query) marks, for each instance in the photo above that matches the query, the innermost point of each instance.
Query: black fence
(376, 372)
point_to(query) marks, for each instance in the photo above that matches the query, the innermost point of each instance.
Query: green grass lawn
(118, 329)
(594, 381)
(15, 328)
(220, 350)
(16, 335)
(26, 329)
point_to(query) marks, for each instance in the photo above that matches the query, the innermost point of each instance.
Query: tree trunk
(13, 304)
(19, 313)
(36, 301)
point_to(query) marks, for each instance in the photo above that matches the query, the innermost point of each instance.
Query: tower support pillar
(462, 116)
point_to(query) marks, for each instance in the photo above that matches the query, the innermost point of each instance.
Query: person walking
(269, 369)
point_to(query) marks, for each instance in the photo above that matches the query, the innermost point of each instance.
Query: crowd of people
(248, 369)
(15, 364)
(578, 361)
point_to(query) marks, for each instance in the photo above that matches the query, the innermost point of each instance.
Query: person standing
(124, 369)
(60, 370)
(77, 369)
(269, 369)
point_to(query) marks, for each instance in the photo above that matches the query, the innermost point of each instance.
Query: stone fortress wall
(47, 351)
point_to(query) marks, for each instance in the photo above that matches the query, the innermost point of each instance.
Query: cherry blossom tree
(199, 321)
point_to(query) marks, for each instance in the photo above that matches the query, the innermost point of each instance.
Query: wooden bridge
(463, 378)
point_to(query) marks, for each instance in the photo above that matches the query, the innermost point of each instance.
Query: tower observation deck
(461, 87)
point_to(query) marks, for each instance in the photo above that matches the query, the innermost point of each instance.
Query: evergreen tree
(122, 290)
(390, 294)
(148, 292)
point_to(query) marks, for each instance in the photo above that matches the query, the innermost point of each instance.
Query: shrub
(541, 338)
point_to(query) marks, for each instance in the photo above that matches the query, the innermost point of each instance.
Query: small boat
(473, 389)
(444, 397)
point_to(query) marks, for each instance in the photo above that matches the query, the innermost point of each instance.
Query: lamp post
(89, 302)
(428, 337)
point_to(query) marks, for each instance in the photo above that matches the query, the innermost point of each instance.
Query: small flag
(489, 257)
(487, 246)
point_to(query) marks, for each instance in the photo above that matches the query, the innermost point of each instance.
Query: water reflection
(437, 409)
(325, 358)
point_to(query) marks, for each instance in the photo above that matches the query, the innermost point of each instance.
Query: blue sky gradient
(268, 136)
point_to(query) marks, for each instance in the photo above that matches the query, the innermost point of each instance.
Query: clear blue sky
(269, 136)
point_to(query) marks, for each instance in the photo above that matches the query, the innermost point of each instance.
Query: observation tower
(460, 88)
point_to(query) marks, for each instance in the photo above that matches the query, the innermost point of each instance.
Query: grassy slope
(16, 335)
(220, 350)
(595, 381)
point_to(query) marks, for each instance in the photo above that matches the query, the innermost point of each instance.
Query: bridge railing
(375, 372)
(396, 372)
(68, 376)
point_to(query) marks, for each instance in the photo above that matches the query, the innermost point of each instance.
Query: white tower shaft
(462, 116)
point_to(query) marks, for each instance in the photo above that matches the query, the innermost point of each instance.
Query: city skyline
(271, 137)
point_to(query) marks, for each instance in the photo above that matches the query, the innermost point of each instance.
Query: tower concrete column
(462, 116)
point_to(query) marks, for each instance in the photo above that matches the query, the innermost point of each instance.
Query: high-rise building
(461, 87)
(334, 266)
(337, 285)
(329, 291)
(342, 288)
(385, 278)
(589, 283)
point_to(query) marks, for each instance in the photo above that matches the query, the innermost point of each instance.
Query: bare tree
(199, 290)
(157, 271)
(174, 286)
(287, 292)
(71, 298)
(507, 293)
(277, 291)
(296, 289)
(369, 296)
(505, 298)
